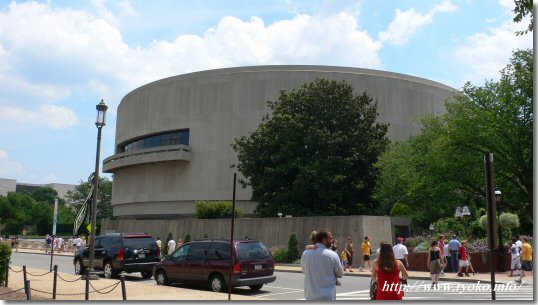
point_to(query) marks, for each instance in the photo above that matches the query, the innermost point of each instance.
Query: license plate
(141, 255)
(257, 267)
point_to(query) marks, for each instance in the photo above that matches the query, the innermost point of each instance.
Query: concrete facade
(377, 228)
(218, 105)
(11, 185)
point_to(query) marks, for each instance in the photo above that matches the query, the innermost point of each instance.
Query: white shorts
(515, 262)
(464, 263)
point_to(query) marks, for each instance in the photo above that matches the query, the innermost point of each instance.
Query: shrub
(280, 254)
(509, 221)
(422, 247)
(449, 226)
(5, 257)
(206, 209)
(400, 209)
(187, 238)
(293, 251)
(412, 242)
(205, 235)
(478, 245)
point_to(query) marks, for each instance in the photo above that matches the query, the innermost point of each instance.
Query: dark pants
(447, 267)
(404, 262)
(455, 263)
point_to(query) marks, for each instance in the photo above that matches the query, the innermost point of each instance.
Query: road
(289, 286)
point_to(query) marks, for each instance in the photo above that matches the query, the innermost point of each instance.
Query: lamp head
(101, 114)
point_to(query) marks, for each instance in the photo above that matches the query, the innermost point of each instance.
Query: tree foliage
(522, 9)
(104, 202)
(443, 166)
(206, 209)
(313, 154)
(293, 248)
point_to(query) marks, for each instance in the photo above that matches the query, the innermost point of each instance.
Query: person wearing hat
(464, 259)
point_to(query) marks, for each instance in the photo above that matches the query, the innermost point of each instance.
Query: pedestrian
(312, 245)
(464, 259)
(74, 243)
(159, 244)
(435, 262)
(78, 243)
(516, 257)
(446, 263)
(400, 252)
(454, 247)
(519, 246)
(60, 244)
(171, 246)
(321, 268)
(386, 273)
(526, 257)
(366, 252)
(334, 246)
(179, 243)
(349, 253)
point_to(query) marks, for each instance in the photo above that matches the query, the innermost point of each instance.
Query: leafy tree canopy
(522, 9)
(314, 154)
(104, 198)
(443, 166)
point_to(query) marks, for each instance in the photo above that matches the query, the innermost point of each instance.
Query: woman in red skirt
(386, 272)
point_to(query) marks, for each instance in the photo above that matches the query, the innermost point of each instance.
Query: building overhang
(147, 155)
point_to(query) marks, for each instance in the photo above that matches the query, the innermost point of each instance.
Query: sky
(58, 59)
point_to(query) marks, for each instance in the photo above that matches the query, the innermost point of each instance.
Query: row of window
(163, 139)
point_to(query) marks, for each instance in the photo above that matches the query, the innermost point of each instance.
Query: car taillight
(237, 268)
(121, 255)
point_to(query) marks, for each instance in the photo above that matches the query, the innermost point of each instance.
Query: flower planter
(480, 261)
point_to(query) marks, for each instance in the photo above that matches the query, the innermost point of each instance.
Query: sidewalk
(422, 275)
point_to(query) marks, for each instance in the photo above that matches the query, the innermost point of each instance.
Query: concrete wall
(219, 105)
(272, 232)
(7, 185)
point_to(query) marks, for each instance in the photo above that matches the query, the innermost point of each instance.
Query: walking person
(464, 259)
(386, 272)
(48, 243)
(171, 246)
(349, 253)
(78, 243)
(516, 257)
(526, 258)
(435, 262)
(454, 247)
(400, 252)
(446, 254)
(159, 244)
(366, 252)
(321, 267)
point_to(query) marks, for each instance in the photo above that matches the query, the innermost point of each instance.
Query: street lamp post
(502, 263)
(463, 212)
(100, 122)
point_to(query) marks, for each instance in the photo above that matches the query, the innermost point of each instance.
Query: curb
(416, 277)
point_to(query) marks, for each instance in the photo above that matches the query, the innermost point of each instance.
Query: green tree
(293, 248)
(104, 202)
(206, 209)
(313, 154)
(443, 166)
(522, 9)
(187, 238)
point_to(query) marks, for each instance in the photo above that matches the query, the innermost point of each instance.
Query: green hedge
(215, 209)
(5, 257)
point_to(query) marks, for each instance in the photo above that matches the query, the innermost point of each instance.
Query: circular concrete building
(174, 136)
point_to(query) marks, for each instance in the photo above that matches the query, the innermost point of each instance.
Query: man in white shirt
(78, 242)
(171, 246)
(321, 267)
(400, 252)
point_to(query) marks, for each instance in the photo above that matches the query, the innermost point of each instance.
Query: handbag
(373, 290)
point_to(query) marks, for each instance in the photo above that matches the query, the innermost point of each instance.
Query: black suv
(208, 262)
(116, 252)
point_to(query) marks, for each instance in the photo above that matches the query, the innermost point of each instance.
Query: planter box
(480, 261)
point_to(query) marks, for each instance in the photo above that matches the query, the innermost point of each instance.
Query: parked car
(116, 252)
(208, 262)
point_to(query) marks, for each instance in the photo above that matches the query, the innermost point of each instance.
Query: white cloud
(53, 116)
(407, 23)
(8, 168)
(128, 8)
(487, 53)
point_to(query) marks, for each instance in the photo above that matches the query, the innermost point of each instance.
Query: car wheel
(109, 271)
(217, 283)
(256, 287)
(146, 274)
(79, 268)
(161, 278)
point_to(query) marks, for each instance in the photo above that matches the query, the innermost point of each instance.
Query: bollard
(87, 296)
(28, 289)
(123, 291)
(24, 277)
(7, 274)
(54, 282)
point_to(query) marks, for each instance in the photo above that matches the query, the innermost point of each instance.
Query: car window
(218, 251)
(97, 242)
(106, 242)
(197, 251)
(180, 253)
(252, 251)
(139, 243)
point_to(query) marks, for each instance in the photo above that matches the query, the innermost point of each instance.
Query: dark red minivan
(208, 262)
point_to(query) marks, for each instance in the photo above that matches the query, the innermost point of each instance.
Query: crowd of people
(59, 244)
(322, 264)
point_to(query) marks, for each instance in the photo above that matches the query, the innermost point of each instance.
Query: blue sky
(58, 59)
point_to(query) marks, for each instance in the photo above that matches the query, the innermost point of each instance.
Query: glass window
(197, 251)
(180, 253)
(170, 138)
(252, 250)
(219, 251)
